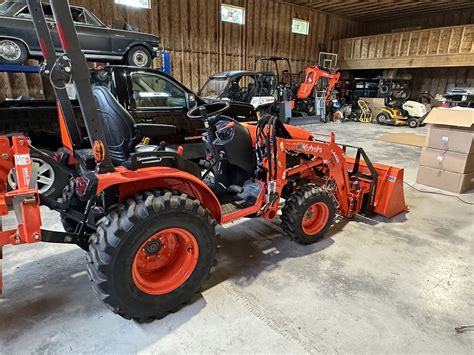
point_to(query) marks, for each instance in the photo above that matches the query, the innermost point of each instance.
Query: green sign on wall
(300, 26)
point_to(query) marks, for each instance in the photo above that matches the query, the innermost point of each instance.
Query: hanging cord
(439, 193)
(53, 69)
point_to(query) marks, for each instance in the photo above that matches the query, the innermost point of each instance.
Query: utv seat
(123, 136)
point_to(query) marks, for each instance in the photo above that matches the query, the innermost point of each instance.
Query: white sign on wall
(146, 4)
(300, 26)
(233, 14)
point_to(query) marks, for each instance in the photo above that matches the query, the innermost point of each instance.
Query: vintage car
(18, 41)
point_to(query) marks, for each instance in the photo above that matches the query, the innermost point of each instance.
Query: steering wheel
(209, 111)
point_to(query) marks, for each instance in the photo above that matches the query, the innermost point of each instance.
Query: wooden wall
(451, 46)
(435, 81)
(441, 19)
(200, 44)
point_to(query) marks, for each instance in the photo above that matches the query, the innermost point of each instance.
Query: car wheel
(12, 51)
(139, 57)
(51, 180)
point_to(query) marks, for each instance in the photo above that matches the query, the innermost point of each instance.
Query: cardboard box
(455, 139)
(447, 160)
(445, 180)
(455, 117)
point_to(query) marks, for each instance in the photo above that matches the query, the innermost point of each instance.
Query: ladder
(365, 112)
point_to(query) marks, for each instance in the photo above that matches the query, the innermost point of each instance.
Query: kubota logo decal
(310, 148)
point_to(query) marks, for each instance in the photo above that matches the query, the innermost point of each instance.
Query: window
(233, 14)
(150, 90)
(79, 15)
(6, 6)
(146, 4)
(300, 26)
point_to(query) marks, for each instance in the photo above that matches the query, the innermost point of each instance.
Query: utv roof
(231, 73)
(236, 73)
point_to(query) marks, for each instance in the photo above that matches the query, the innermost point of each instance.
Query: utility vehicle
(147, 216)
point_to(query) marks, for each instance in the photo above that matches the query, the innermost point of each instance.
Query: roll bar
(70, 67)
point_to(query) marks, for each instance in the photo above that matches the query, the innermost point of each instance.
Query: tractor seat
(123, 136)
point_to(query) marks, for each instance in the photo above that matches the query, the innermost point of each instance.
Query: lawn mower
(402, 112)
(146, 216)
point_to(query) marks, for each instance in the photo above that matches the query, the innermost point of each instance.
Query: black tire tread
(113, 227)
(293, 206)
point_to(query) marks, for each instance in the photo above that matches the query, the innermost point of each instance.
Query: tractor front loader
(146, 217)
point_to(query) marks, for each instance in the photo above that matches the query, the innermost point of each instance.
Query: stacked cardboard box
(447, 160)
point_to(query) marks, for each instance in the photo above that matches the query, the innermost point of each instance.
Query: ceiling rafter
(377, 10)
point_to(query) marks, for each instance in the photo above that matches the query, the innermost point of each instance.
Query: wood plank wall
(431, 80)
(435, 81)
(452, 18)
(200, 44)
(438, 47)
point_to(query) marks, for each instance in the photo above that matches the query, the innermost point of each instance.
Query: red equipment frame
(312, 75)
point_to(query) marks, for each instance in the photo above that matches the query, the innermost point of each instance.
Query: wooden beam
(427, 61)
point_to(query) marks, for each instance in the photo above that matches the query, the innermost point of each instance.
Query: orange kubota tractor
(146, 216)
(316, 79)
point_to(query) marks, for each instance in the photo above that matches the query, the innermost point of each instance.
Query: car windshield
(4, 7)
(214, 88)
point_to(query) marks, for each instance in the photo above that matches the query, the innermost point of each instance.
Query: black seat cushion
(123, 140)
(119, 125)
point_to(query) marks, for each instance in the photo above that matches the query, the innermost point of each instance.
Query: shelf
(14, 68)
(435, 47)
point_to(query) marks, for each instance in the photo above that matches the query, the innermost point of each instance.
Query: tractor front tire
(150, 255)
(308, 214)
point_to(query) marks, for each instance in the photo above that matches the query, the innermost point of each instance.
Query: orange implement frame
(25, 199)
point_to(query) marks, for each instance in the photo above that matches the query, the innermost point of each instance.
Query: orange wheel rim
(315, 218)
(165, 261)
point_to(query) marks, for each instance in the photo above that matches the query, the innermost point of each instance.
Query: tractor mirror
(191, 101)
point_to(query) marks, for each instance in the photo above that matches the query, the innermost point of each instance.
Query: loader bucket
(389, 195)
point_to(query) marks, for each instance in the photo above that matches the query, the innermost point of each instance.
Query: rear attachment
(25, 199)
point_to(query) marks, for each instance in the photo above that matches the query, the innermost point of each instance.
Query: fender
(135, 44)
(132, 182)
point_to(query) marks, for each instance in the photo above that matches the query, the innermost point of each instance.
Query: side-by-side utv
(146, 216)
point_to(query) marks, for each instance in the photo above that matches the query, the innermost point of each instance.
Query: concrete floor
(398, 286)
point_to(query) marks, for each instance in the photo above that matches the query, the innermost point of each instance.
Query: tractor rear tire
(150, 255)
(383, 118)
(308, 214)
